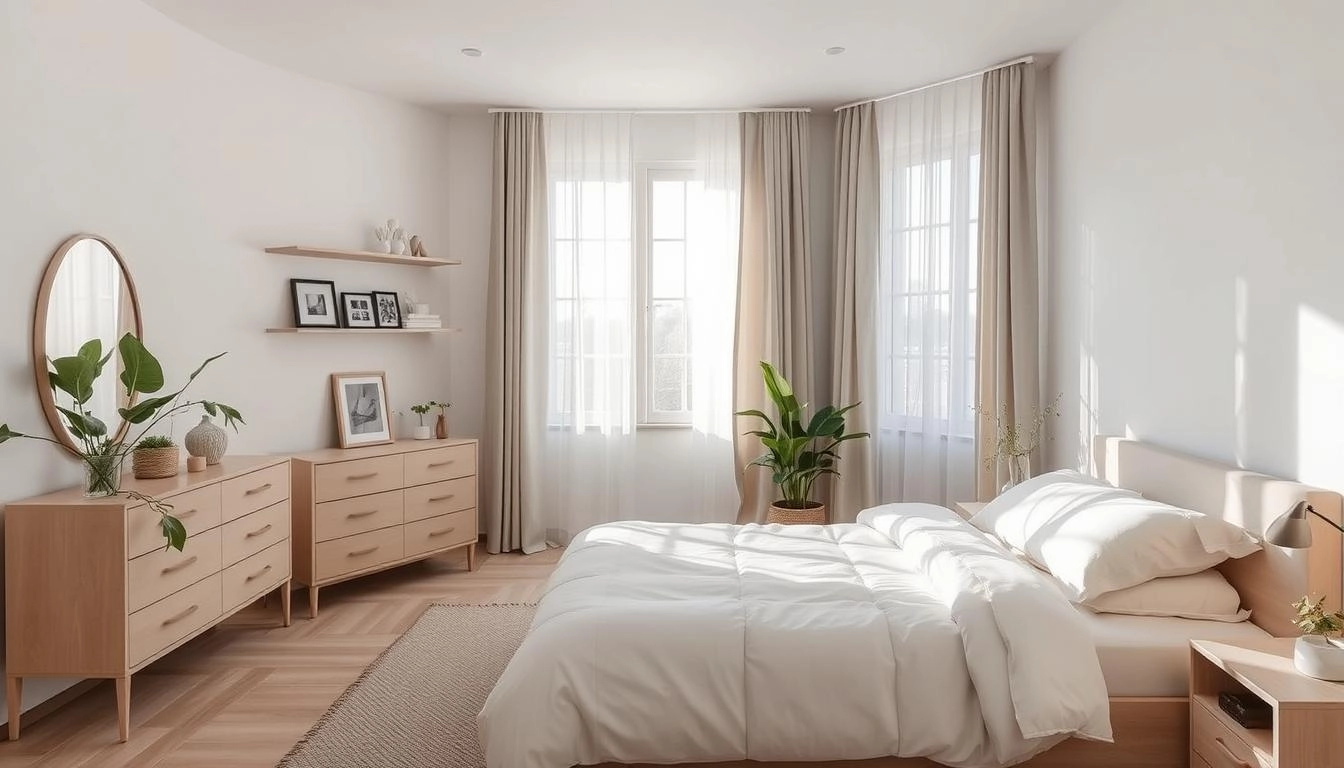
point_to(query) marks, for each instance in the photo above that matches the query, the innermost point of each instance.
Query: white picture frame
(362, 417)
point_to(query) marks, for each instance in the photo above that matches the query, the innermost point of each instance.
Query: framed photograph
(361, 408)
(357, 310)
(314, 303)
(387, 309)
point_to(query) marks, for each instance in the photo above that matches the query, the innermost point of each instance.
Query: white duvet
(909, 633)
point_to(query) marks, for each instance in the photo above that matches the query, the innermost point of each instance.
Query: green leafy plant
(1314, 619)
(796, 454)
(424, 408)
(154, 441)
(72, 380)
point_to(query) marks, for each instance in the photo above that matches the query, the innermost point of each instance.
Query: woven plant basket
(150, 463)
(787, 516)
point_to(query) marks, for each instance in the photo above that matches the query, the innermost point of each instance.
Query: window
(666, 197)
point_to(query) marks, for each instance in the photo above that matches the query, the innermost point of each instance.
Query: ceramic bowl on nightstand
(1318, 657)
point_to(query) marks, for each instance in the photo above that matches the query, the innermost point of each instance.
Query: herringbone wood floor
(242, 695)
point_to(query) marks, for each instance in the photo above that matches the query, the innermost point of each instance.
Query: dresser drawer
(158, 626)
(246, 581)
(160, 573)
(357, 478)
(335, 519)
(355, 553)
(255, 490)
(436, 499)
(1215, 742)
(198, 510)
(440, 532)
(1198, 762)
(440, 464)
(248, 535)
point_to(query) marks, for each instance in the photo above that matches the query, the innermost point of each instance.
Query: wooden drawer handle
(364, 476)
(356, 515)
(179, 566)
(186, 514)
(1230, 754)
(362, 552)
(259, 531)
(437, 464)
(180, 616)
(443, 532)
(260, 573)
(433, 499)
(258, 489)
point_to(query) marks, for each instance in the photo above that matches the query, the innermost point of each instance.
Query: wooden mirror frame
(40, 310)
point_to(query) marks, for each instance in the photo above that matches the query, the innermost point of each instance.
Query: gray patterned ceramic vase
(207, 440)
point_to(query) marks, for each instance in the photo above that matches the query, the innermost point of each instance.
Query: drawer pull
(433, 499)
(181, 616)
(443, 532)
(362, 552)
(259, 574)
(1230, 754)
(179, 566)
(258, 489)
(437, 464)
(259, 531)
(364, 476)
(357, 515)
(186, 514)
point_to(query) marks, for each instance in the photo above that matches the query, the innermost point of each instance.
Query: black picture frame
(357, 310)
(314, 303)
(387, 309)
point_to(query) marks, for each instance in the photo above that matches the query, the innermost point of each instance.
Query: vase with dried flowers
(1013, 442)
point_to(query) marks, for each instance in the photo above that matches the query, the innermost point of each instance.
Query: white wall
(191, 159)
(1198, 178)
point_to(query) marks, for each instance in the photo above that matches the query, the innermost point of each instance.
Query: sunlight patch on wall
(1320, 399)
(1089, 388)
(1239, 371)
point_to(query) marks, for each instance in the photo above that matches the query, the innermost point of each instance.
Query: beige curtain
(515, 401)
(1007, 337)
(774, 305)
(854, 373)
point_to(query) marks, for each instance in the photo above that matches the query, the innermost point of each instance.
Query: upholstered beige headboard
(1269, 580)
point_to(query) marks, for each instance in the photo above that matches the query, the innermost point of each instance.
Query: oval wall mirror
(86, 293)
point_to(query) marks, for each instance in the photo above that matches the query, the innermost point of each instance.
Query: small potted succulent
(422, 431)
(1316, 653)
(155, 456)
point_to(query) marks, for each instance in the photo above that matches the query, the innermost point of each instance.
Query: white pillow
(1205, 595)
(1096, 538)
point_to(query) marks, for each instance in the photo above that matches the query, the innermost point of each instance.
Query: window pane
(973, 273)
(669, 209)
(562, 336)
(669, 327)
(669, 269)
(564, 210)
(618, 211)
(941, 191)
(564, 285)
(669, 376)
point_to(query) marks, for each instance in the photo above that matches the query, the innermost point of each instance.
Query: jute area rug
(416, 705)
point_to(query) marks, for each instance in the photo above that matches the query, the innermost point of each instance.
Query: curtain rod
(888, 97)
(493, 110)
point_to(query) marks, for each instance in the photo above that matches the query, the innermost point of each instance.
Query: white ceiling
(636, 53)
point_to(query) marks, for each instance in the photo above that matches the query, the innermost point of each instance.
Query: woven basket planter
(787, 516)
(151, 463)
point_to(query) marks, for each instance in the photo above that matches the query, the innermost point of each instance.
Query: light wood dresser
(92, 591)
(362, 510)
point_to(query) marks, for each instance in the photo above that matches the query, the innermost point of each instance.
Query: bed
(707, 644)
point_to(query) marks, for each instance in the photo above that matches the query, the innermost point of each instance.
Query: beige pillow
(1205, 595)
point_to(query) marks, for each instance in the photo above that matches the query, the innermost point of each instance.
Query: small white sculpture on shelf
(399, 241)
(383, 234)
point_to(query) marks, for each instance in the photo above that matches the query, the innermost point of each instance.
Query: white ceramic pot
(423, 432)
(1317, 657)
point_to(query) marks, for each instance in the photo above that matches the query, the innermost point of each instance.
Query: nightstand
(1308, 728)
(967, 509)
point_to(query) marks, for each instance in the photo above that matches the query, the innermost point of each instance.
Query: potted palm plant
(797, 455)
(72, 379)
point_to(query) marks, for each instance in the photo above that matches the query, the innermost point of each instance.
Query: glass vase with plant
(798, 454)
(1013, 442)
(72, 382)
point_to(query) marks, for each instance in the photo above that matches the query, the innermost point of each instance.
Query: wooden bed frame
(1155, 732)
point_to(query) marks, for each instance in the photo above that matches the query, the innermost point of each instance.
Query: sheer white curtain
(640, 290)
(929, 155)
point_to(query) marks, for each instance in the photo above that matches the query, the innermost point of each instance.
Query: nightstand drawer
(1215, 742)
(1198, 762)
(357, 478)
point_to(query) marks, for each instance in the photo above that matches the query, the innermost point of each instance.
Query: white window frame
(645, 175)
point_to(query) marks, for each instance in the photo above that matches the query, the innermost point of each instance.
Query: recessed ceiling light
(472, 52)
(835, 50)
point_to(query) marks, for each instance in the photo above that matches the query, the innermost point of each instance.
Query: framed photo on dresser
(361, 408)
(314, 303)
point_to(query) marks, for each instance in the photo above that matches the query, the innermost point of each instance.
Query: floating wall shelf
(370, 256)
(357, 331)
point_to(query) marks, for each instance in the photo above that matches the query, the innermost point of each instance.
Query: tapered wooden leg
(284, 600)
(471, 557)
(312, 602)
(124, 708)
(14, 698)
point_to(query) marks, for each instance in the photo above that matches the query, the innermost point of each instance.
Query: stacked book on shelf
(421, 321)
